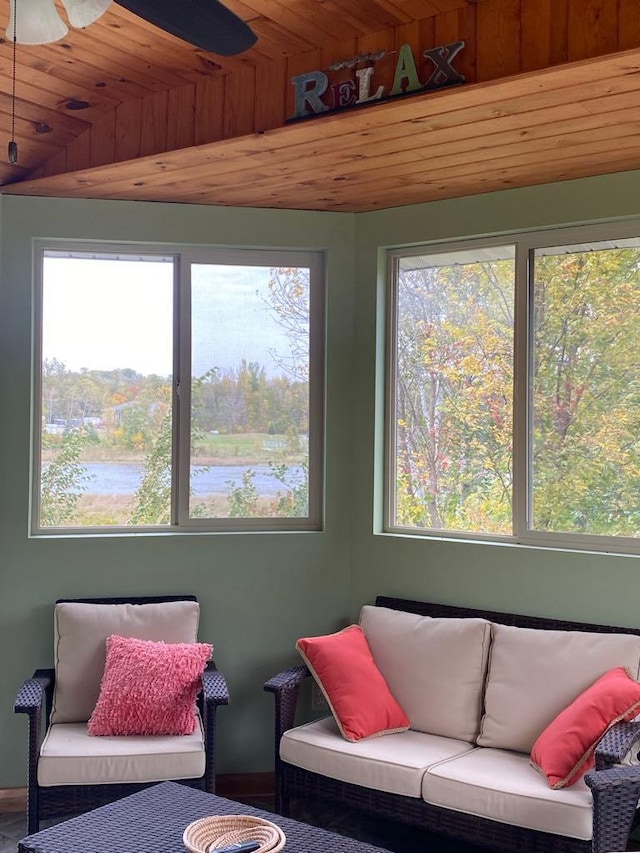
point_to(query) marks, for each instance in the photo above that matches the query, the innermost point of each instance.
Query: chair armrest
(214, 686)
(615, 744)
(285, 688)
(32, 696)
(615, 799)
(214, 692)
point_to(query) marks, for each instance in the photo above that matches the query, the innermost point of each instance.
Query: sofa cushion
(71, 756)
(566, 748)
(534, 674)
(354, 687)
(501, 785)
(435, 667)
(80, 632)
(395, 763)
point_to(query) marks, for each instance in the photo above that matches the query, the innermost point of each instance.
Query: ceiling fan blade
(207, 24)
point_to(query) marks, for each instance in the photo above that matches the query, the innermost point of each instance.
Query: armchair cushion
(354, 687)
(149, 688)
(80, 632)
(565, 749)
(70, 756)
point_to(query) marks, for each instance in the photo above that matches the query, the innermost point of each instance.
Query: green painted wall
(590, 587)
(258, 592)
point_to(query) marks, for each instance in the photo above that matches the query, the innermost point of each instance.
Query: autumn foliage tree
(454, 389)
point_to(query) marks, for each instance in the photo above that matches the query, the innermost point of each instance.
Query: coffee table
(153, 820)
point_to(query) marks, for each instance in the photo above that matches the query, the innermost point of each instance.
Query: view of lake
(124, 479)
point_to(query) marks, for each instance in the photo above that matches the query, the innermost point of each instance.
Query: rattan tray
(210, 833)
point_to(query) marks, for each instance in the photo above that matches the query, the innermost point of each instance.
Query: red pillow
(149, 688)
(566, 748)
(354, 687)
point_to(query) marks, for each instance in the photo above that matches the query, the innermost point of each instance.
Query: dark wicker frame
(615, 789)
(34, 699)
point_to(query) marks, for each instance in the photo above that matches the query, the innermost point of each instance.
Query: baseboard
(234, 786)
(13, 799)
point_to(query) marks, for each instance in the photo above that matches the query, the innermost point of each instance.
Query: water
(124, 479)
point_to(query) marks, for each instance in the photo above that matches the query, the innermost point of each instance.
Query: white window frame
(525, 244)
(183, 256)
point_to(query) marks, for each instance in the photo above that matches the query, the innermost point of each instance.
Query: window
(513, 392)
(177, 390)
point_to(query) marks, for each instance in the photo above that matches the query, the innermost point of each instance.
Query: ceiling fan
(207, 24)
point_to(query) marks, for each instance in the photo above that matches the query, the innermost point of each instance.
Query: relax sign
(314, 92)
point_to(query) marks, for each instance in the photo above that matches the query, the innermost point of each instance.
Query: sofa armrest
(615, 799)
(615, 744)
(285, 688)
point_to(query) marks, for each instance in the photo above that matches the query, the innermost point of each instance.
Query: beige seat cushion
(70, 756)
(535, 674)
(80, 631)
(394, 763)
(435, 668)
(502, 786)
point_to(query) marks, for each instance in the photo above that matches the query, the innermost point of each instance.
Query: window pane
(250, 392)
(106, 386)
(453, 389)
(586, 390)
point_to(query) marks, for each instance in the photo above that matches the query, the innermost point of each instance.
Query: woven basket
(209, 833)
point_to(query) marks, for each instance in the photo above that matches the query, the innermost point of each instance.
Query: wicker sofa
(476, 786)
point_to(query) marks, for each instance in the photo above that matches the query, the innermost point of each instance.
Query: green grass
(249, 448)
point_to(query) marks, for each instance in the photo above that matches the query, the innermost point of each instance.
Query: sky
(106, 314)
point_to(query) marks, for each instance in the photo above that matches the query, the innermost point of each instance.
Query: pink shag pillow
(149, 688)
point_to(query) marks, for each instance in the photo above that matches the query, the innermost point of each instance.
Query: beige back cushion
(535, 674)
(435, 668)
(80, 632)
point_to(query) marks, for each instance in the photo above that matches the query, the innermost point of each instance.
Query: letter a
(405, 70)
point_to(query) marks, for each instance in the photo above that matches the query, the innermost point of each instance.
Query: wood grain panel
(270, 97)
(536, 26)
(103, 140)
(593, 28)
(628, 24)
(78, 153)
(532, 128)
(148, 92)
(181, 117)
(210, 108)
(239, 112)
(153, 124)
(128, 127)
(498, 39)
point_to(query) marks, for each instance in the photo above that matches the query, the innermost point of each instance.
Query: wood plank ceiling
(122, 110)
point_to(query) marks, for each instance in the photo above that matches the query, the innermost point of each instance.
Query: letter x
(442, 57)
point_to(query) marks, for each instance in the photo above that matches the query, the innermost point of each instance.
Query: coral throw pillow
(566, 748)
(149, 688)
(354, 687)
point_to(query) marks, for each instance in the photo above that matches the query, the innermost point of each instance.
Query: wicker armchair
(36, 699)
(615, 786)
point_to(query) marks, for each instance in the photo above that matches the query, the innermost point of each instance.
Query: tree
(586, 392)
(64, 479)
(153, 497)
(454, 389)
(289, 299)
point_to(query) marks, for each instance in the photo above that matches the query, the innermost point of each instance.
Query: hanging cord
(13, 145)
